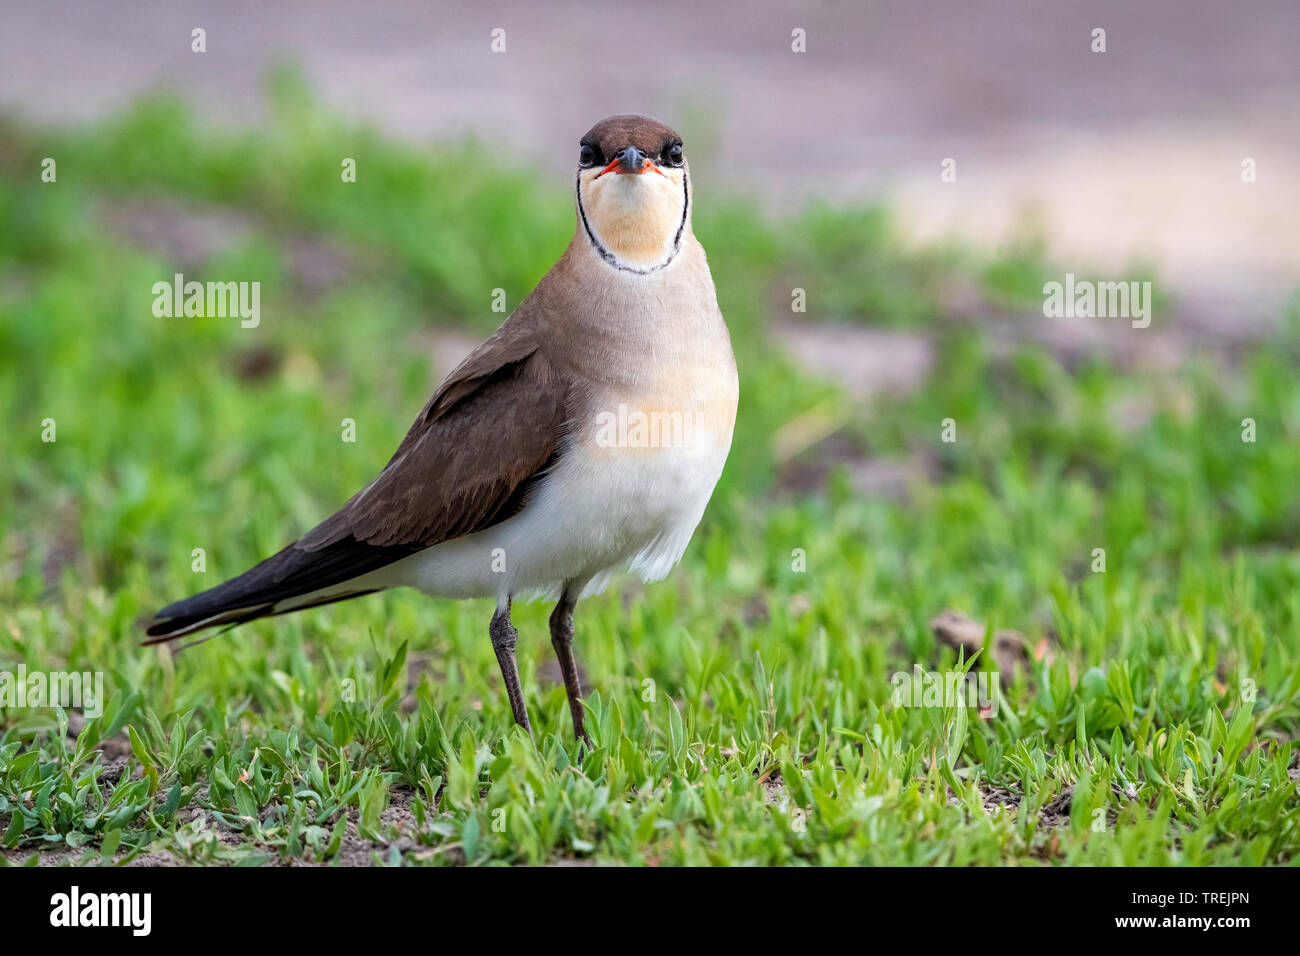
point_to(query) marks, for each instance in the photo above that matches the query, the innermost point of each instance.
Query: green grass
(741, 710)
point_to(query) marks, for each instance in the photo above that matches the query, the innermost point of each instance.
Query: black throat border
(612, 259)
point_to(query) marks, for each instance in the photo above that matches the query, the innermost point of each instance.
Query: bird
(581, 440)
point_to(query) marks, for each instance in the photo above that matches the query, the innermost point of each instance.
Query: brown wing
(469, 461)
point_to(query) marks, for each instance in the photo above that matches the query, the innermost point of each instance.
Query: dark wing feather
(466, 462)
(469, 461)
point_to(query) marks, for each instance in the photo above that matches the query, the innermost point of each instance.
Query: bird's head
(633, 194)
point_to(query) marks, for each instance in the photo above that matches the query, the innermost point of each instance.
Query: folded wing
(469, 462)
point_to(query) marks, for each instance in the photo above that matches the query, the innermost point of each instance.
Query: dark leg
(562, 641)
(504, 637)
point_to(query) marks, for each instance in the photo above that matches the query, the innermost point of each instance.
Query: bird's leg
(562, 641)
(504, 637)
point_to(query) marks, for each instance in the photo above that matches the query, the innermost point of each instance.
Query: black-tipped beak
(631, 160)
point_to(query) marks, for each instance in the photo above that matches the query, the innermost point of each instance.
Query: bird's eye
(673, 154)
(587, 155)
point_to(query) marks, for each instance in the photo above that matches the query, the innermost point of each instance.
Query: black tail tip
(159, 628)
(168, 624)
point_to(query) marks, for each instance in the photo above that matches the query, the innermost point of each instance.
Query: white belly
(611, 503)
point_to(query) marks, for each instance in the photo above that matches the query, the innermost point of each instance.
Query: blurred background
(816, 171)
(1134, 152)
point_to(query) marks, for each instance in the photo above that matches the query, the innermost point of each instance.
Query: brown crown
(629, 129)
